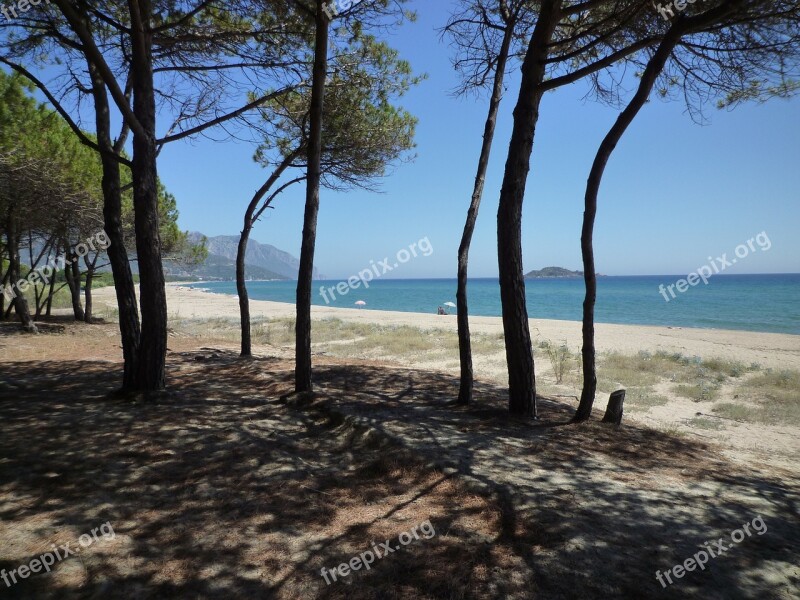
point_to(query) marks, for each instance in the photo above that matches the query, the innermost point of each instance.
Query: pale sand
(771, 350)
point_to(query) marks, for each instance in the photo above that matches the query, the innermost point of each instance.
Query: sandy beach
(769, 350)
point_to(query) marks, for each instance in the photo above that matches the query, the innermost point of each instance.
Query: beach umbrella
(361, 303)
(450, 304)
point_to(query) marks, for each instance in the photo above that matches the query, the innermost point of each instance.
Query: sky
(675, 193)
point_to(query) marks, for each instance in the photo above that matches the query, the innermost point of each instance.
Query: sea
(767, 303)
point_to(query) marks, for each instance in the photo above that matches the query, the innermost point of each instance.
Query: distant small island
(553, 272)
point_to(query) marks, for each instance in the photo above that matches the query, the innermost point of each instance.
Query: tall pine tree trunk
(151, 361)
(609, 143)
(464, 341)
(519, 354)
(241, 287)
(124, 287)
(303, 368)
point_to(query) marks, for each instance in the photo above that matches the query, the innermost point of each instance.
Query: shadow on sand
(219, 490)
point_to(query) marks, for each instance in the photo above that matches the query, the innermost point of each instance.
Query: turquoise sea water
(747, 302)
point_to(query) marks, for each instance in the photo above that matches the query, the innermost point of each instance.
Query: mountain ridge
(266, 259)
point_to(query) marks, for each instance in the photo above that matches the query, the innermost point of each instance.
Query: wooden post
(614, 408)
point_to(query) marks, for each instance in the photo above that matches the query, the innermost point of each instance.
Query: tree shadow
(221, 491)
(218, 491)
(595, 509)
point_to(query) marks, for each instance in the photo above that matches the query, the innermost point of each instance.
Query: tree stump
(614, 408)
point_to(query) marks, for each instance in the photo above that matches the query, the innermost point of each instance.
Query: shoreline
(704, 322)
(770, 350)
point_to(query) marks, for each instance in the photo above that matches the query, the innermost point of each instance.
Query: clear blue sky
(674, 192)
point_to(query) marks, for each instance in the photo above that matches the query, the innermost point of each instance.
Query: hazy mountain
(263, 261)
(261, 256)
(216, 268)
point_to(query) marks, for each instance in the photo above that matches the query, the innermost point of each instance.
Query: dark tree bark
(33, 262)
(90, 270)
(52, 291)
(519, 354)
(6, 312)
(250, 218)
(4, 281)
(241, 286)
(72, 273)
(615, 407)
(303, 367)
(129, 326)
(43, 299)
(464, 341)
(19, 302)
(151, 361)
(653, 69)
(87, 310)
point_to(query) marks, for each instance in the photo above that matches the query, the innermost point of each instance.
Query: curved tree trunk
(44, 299)
(3, 281)
(151, 361)
(519, 354)
(33, 262)
(72, 273)
(648, 80)
(464, 342)
(124, 287)
(303, 368)
(52, 291)
(250, 218)
(90, 270)
(19, 302)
